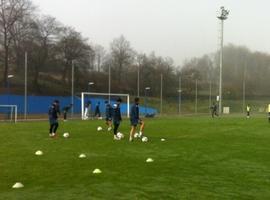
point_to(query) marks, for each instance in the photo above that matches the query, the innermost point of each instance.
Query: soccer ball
(66, 135)
(99, 128)
(120, 135)
(144, 139)
(136, 135)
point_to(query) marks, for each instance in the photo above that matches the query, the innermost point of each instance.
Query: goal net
(8, 113)
(89, 101)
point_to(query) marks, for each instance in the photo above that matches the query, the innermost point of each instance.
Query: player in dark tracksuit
(117, 118)
(214, 110)
(97, 110)
(135, 119)
(66, 110)
(54, 110)
(109, 113)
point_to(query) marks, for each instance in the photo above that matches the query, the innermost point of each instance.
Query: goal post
(106, 96)
(9, 113)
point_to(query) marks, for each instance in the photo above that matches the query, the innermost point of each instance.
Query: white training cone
(163, 140)
(82, 156)
(149, 160)
(97, 171)
(18, 185)
(39, 153)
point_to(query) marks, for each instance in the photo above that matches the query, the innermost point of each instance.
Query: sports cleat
(116, 138)
(131, 139)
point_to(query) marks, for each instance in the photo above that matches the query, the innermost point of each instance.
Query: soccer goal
(8, 113)
(93, 98)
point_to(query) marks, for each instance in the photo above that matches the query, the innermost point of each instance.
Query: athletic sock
(140, 134)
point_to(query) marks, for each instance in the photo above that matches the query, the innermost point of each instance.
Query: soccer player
(135, 119)
(54, 110)
(66, 110)
(248, 111)
(97, 110)
(109, 113)
(214, 110)
(117, 118)
(87, 108)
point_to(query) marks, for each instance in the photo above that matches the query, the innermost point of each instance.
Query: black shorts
(108, 119)
(135, 122)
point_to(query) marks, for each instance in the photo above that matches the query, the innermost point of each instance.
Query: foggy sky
(180, 29)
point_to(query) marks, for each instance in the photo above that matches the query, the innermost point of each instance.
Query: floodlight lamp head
(224, 13)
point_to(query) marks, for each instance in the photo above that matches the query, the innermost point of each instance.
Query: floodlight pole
(222, 17)
(109, 86)
(145, 99)
(244, 88)
(196, 97)
(210, 93)
(25, 85)
(180, 99)
(138, 82)
(72, 89)
(161, 94)
(8, 86)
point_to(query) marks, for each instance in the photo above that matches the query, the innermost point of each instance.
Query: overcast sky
(180, 29)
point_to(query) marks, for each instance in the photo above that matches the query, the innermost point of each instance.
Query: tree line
(52, 48)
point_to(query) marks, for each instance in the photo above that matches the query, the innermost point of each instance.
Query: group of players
(113, 118)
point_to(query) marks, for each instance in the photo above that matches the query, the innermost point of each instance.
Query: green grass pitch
(202, 158)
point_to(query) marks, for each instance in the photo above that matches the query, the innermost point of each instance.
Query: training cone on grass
(18, 185)
(39, 153)
(97, 171)
(163, 140)
(149, 160)
(82, 156)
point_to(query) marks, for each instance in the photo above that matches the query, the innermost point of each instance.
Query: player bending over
(109, 113)
(54, 110)
(135, 119)
(66, 109)
(117, 118)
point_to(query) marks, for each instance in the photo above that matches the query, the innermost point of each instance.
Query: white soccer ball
(66, 135)
(144, 139)
(136, 135)
(120, 135)
(99, 128)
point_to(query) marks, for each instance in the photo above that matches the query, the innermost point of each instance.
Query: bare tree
(45, 33)
(122, 55)
(10, 12)
(72, 47)
(99, 56)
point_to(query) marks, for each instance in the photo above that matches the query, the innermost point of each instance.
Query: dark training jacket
(109, 111)
(53, 112)
(117, 118)
(134, 114)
